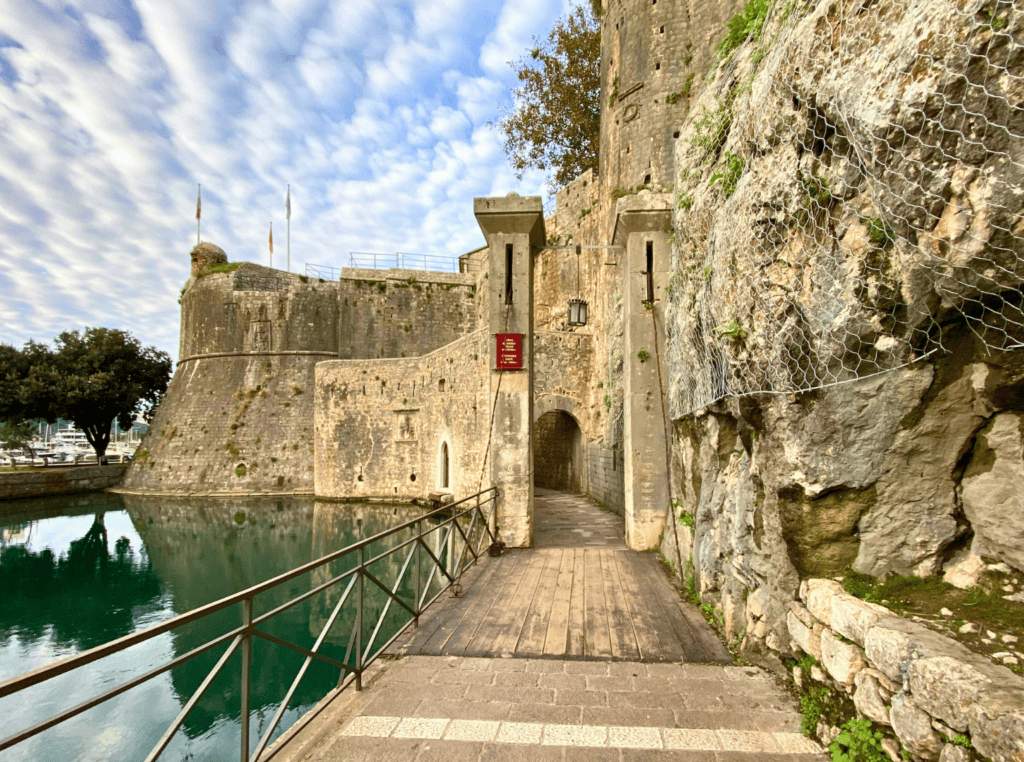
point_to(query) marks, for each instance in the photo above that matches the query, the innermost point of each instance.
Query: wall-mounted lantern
(577, 306)
(577, 312)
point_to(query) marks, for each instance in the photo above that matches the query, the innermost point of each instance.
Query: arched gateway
(559, 451)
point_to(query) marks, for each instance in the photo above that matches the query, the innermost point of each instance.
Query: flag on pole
(288, 204)
(199, 201)
(271, 242)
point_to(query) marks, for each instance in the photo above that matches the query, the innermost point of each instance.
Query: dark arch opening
(558, 459)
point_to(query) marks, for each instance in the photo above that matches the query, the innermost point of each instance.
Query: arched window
(444, 465)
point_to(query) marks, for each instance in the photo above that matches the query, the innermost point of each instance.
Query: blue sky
(111, 111)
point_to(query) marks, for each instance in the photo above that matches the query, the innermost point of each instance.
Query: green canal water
(77, 572)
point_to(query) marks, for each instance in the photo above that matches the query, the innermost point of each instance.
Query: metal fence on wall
(397, 261)
(834, 222)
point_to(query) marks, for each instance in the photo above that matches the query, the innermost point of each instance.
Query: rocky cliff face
(845, 321)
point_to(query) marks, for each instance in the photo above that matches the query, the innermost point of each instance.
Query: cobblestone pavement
(458, 708)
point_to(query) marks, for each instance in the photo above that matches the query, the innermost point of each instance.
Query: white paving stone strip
(379, 727)
(615, 736)
(520, 732)
(691, 739)
(471, 730)
(634, 738)
(747, 740)
(418, 727)
(575, 735)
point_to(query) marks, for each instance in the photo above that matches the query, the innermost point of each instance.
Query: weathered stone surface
(893, 643)
(913, 520)
(852, 617)
(818, 595)
(802, 614)
(204, 255)
(964, 569)
(914, 728)
(38, 482)
(993, 490)
(951, 753)
(808, 638)
(892, 747)
(842, 660)
(868, 698)
(946, 688)
(997, 722)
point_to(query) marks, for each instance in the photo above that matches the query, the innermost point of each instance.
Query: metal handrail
(241, 637)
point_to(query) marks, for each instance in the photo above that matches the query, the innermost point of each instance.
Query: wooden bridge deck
(603, 602)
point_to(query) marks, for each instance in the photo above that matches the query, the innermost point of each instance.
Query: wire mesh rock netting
(850, 185)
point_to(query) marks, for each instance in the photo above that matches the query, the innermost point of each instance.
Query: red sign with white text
(510, 351)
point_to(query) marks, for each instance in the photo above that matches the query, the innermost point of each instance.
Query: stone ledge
(937, 681)
(59, 481)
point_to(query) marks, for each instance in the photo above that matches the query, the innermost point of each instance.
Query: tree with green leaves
(89, 378)
(556, 119)
(17, 435)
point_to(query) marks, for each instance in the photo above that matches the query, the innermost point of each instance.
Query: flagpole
(271, 244)
(199, 205)
(288, 233)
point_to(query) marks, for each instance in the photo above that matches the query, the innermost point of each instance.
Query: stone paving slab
(556, 710)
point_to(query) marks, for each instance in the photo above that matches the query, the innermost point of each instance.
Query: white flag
(288, 205)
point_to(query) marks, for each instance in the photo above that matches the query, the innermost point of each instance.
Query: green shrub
(684, 91)
(748, 24)
(220, 267)
(881, 234)
(711, 129)
(812, 704)
(644, 355)
(857, 742)
(240, 470)
(730, 174)
(731, 331)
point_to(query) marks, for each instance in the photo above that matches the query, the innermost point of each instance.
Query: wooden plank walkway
(598, 603)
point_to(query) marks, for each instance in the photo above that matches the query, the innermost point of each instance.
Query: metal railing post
(416, 560)
(479, 515)
(359, 622)
(246, 674)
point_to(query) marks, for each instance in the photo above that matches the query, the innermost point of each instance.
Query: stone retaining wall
(904, 675)
(38, 482)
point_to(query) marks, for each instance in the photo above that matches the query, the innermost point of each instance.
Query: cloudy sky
(112, 111)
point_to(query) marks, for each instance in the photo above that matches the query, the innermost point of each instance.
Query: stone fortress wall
(238, 414)
(380, 424)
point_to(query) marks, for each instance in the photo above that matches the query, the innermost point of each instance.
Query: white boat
(69, 438)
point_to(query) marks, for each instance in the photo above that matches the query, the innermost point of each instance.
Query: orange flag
(199, 201)
(271, 237)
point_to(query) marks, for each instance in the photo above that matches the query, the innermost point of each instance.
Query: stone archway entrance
(559, 459)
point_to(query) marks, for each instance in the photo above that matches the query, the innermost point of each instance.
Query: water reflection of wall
(336, 525)
(204, 549)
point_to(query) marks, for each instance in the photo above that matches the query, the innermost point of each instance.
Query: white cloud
(375, 111)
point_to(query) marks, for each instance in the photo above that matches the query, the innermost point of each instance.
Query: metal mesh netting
(848, 192)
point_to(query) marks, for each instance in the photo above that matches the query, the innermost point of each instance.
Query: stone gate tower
(653, 55)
